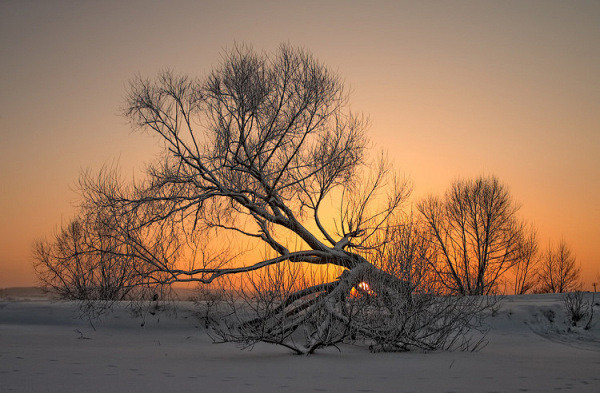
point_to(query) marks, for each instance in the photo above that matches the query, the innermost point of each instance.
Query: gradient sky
(453, 89)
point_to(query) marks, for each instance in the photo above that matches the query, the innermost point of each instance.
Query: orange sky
(452, 89)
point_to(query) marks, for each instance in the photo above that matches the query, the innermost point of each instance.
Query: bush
(576, 306)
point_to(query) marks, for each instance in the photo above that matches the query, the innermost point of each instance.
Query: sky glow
(453, 89)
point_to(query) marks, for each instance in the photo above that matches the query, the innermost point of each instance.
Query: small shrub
(576, 306)
(550, 315)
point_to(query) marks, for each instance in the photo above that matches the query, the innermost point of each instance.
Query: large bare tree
(266, 149)
(257, 149)
(476, 233)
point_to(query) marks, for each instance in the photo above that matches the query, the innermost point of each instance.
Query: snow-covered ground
(45, 348)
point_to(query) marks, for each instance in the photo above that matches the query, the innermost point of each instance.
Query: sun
(363, 288)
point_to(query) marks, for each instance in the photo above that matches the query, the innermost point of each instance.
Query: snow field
(44, 347)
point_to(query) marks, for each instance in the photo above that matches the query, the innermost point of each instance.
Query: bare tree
(81, 262)
(559, 271)
(525, 269)
(476, 233)
(106, 255)
(262, 149)
(257, 149)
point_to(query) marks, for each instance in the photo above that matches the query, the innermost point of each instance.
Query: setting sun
(363, 288)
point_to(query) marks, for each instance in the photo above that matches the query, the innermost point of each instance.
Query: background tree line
(470, 240)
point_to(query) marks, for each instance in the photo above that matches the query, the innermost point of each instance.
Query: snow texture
(44, 347)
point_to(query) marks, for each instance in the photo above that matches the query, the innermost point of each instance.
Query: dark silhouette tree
(525, 270)
(559, 271)
(476, 234)
(84, 260)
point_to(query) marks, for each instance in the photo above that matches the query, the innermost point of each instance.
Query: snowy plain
(45, 347)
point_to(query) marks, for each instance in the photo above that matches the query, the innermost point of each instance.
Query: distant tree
(110, 254)
(559, 271)
(525, 269)
(82, 262)
(476, 233)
